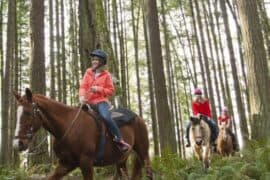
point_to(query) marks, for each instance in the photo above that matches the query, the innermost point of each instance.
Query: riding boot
(187, 143)
(187, 135)
(122, 145)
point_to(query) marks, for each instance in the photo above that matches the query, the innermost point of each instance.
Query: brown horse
(76, 136)
(224, 141)
(200, 134)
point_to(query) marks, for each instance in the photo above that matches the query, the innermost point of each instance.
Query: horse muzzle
(199, 141)
(19, 145)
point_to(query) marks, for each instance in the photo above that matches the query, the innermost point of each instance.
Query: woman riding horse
(225, 118)
(200, 106)
(76, 136)
(95, 89)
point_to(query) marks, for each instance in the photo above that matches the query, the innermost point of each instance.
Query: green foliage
(40, 169)
(252, 163)
(8, 173)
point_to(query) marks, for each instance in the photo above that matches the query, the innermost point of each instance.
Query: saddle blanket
(122, 116)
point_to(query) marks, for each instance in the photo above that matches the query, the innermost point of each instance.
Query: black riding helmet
(101, 54)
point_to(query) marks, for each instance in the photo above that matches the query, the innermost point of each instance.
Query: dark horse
(76, 136)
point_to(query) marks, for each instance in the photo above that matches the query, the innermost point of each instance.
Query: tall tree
(135, 29)
(167, 57)
(258, 73)
(73, 42)
(58, 53)
(205, 60)
(151, 92)
(236, 85)
(1, 51)
(52, 55)
(166, 131)
(123, 60)
(87, 32)
(63, 57)
(37, 61)
(6, 103)
(202, 69)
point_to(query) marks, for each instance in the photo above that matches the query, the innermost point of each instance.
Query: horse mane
(44, 101)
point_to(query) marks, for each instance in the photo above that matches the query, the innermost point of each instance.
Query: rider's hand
(82, 99)
(93, 89)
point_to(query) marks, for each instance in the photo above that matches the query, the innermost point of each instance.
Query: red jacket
(225, 119)
(103, 82)
(202, 108)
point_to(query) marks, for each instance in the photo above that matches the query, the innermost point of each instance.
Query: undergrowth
(252, 163)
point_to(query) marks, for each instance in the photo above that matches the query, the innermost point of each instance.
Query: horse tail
(141, 147)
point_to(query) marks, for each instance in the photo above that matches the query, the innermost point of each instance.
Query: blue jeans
(213, 128)
(103, 109)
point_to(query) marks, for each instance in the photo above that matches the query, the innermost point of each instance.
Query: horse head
(27, 120)
(197, 129)
(223, 131)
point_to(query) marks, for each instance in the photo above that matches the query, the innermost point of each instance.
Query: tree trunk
(190, 45)
(58, 55)
(167, 60)
(1, 52)
(37, 61)
(87, 33)
(75, 75)
(202, 70)
(218, 58)
(63, 57)
(7, 84)
(166, 131)
(123, 60)
(258, 74)
(239, 101)
(212, 64)
(228, 99)
(52, 57)
(151, 92)
(206, 63)
(135, 29)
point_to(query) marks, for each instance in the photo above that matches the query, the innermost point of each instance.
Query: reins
(37, 111)
(72, 123)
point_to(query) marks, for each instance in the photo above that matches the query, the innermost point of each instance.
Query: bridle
(34, 114)
(37, 113)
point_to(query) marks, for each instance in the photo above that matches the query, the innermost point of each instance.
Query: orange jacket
(103, 82)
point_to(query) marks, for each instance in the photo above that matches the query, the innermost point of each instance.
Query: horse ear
(29, 95)
(194, 119)
(17, 95)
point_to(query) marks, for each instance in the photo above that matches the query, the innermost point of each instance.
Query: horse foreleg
(61, 170)
(206, 157)
(137, 168)
(198, 153)
(86, 166)
(121, 170)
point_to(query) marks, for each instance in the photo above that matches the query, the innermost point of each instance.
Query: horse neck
(53, 121)
(224, 134)
(207, 131)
